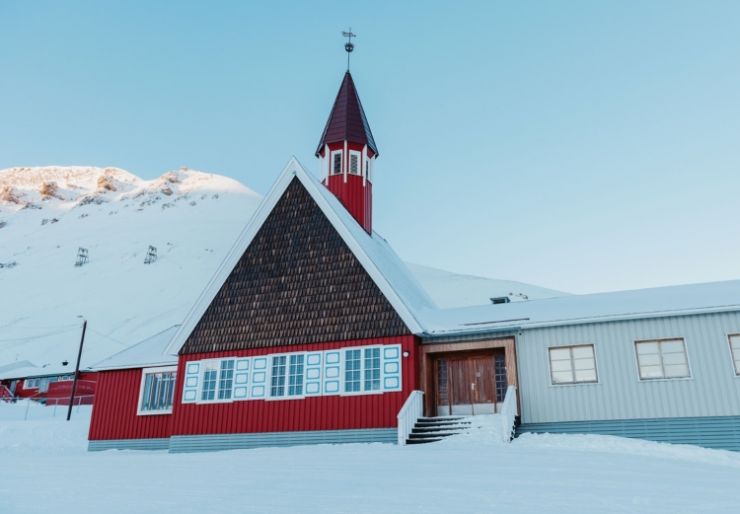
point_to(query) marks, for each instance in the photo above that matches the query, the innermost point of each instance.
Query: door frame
(430, 352)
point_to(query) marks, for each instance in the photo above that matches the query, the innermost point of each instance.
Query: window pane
(647, 348)
(581, 352)
(651, 372)
(209, 383)
(572, 364)
(735, 351)
(586, 375)
(158, 391)
(278, 376)
(735, 343)
(147, 394)
(561, 365)
(226, 380)
(674, 358)
(562, 377)
(372, 369)
(559, 354)
(581, 364)
(337, 163)
(673, 346)
(295, 378)
(352, 375)
(677, 371)
(649, 360)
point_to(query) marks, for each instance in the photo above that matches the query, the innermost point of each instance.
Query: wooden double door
(470, 384)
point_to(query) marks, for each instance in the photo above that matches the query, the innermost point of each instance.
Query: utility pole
(77, 370)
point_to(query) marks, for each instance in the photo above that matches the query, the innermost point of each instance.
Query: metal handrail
(508, 414)
(412, 410)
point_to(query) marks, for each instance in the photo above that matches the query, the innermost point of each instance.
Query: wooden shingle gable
(297, 282)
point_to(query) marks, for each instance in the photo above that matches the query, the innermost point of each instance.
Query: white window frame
(204, 364)
(734, 359)
(287, 395)
(395, 374)
(661, 340)
(358, 156)
(341, 162)
(570, 347)
(343, 369)
(153, 371)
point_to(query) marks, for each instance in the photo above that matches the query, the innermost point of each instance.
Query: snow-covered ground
(47, 469)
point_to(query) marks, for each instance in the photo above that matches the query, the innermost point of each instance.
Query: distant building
(314, 331)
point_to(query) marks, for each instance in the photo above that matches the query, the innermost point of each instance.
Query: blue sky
(579, 145)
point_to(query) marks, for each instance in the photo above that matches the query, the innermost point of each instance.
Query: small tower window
(336, 163)
(354, 163)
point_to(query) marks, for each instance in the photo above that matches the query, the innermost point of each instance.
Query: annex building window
(665, 358)
(157, 390)
(735, 352)
(573, 364)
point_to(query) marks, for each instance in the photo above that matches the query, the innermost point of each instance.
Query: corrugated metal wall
(114, 413)
(314, 413)
(713, 389)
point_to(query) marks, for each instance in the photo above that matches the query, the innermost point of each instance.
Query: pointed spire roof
(347, 120)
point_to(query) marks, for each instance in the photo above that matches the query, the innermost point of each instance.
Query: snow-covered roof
(587, 308)
(392, 277)
(150, 352)
(449, 289)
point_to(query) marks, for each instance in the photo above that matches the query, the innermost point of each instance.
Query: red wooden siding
(313, 413)
(355, 195)
(114, 413)
(59, 392)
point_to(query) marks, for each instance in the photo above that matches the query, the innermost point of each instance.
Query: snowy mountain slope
(192, 218)
(47, 214)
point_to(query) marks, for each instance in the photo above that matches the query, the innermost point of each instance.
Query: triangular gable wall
(297, 282)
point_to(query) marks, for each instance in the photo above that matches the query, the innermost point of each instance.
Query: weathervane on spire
(348, 46)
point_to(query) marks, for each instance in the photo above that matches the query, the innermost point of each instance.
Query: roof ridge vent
(497, 300)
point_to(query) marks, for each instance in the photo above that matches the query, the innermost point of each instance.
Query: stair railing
(412, 410)
(508, 414)
(5, 394)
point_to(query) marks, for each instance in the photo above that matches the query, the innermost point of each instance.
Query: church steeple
(347, 151)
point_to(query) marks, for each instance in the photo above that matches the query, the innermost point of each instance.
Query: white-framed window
(355, 161)
(735, 352)
(368, 169)
(287, 375)
(362, 370)
(336, 162)
(574, 364)
(157, 390)
(662, 359)
(296, 375)
(217, 380)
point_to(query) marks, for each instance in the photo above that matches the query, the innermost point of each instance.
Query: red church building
(309, 332)
(314, 331)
